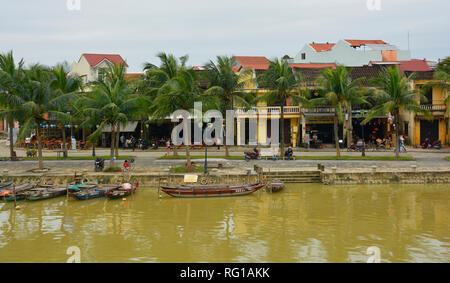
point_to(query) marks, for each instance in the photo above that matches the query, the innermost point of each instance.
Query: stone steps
(295, 176)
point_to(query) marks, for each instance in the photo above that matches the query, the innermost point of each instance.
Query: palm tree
(157, 76)
(282, 84)
(40, 101)
(62, 84)
(111, 103)
(180, 93)
(395, 94)
(226, 85)
(11, 89)
(340, 92)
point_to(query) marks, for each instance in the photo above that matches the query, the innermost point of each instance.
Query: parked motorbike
(425, 143)
(249, 155)
(435, 145)
(99, 164)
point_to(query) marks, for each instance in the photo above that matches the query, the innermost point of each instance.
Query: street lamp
(363, 151)
(206, 153)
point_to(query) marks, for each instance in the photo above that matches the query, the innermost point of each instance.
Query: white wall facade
(342, 53)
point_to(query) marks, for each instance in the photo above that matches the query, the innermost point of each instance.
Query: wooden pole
(14, 194)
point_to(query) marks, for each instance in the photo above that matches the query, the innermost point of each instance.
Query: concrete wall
(342, 53)
(386, 177)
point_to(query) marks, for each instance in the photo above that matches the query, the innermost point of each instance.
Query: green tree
(226, 85)
(11, 90)
(395, 94)
(180, 93)
(40, 101)
(158, 76)
(111, 103)
(340, 92)
(282, 84)
(62, 84)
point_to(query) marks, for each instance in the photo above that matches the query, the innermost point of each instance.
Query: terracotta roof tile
(358, 42)
(415, 65)
(320, 47)
(253, 62)
(313, 66)
(95, 59)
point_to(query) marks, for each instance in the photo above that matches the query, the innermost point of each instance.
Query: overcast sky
(46, 31)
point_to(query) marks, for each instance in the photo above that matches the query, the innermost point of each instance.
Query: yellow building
(437, 128)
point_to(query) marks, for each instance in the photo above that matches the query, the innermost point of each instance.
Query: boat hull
(85, 195)
(211, 191)
(120, 192)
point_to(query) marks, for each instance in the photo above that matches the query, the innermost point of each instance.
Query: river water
(303, 223)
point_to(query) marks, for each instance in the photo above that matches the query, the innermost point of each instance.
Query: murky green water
(303, 223)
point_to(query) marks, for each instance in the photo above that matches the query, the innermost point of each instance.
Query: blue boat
(91, 193)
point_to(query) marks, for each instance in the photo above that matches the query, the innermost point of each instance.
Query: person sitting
(126, 166)
(289, 152)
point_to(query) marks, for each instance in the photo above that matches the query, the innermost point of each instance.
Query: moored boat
(6, 184)
(275, 185)
(19, 192)
(122, 191)
(96, 192)
(193, 191)
(82, 186)
(45, 192)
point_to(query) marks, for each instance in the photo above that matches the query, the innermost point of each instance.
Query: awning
(129, 128)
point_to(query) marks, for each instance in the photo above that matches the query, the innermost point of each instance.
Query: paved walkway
(147, 161)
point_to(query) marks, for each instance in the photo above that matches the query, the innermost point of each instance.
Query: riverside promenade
(149, 161)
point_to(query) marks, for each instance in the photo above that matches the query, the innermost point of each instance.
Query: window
(303, 56)
(406, 129)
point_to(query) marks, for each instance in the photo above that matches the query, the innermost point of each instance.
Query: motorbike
(435, 145)
(249, 155)
(425, 144)
(99, 164)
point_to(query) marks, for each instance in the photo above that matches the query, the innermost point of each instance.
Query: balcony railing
(322, 109)
(270, 110)
(434, 107)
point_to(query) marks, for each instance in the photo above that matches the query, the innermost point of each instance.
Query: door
(430, 130)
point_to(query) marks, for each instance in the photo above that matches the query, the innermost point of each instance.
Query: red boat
(196, 191)
(121, 190)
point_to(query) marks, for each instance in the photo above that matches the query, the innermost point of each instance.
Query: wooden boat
(45, 192)
(20, 192)
(193, 191)
(83, 186)
(7, 184)
(96, 192)
(122, 191)
(275, 185)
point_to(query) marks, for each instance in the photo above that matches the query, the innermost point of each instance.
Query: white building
(350, 53)
(89, 66)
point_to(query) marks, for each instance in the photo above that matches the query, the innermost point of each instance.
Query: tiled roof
(95, 59)
(358, 42)
(320, 47)
(253, 62)
(414, 65)
(313, 66)
(310, 75)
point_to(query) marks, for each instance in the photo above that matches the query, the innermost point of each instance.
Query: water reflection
(304, 223)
